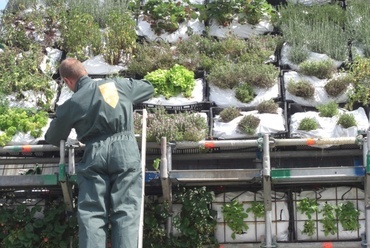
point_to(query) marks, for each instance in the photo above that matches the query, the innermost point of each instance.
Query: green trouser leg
(110, 191)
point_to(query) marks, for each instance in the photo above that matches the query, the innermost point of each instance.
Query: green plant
(20, 226)
(328, 110)
(196, 221)
(155, 217)
(148, 57)
(244, 93)
(229, 114)
(186, 126)
(318, 28)
(250, 11)
(348, 216)
(301, 88)
(258, 209)
(261, 76)
(227, 75)
(268, 106)
(360, 70)
(234, 215)
(165, 16)
(336, 86)
(14, 120)
(248, 124)
(320, 69)
(80, 34)
(309, 207)
(20, 72)
(297, 54)
(308, 124)
(19, 27)
(329, 221)
(358, 31)
(119, 36)
(347, 120)
(172, 82)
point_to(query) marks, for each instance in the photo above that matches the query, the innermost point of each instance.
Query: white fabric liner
(269, 124)
(312, 57)
(226, 97)
(143, 29)
(320, 96)
(239, 30)
(328, 127)
(97, 66)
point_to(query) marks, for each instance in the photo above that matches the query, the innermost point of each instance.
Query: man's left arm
(141, 90)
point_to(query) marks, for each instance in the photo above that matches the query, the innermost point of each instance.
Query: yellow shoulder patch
(109, 93)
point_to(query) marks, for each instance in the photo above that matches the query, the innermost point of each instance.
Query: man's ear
(69, 83)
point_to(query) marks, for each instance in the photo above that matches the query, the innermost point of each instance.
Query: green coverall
(109, 175)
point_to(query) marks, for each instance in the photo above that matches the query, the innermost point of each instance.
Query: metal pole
(143, 162)
(365, 242)
(267, 191)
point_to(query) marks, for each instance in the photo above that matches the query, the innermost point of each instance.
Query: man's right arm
(60, 127)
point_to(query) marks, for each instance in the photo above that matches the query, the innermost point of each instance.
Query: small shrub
(244, 93)
(268, 106)
(347, 120)
(308, 124)
(261, 75)
(298, 54)
(328, 110)
(320, 69)
(336, 86)
(248, 124)
(81, 36)
(301, 89)
(148, 57)
(229, 114)
(227, 75)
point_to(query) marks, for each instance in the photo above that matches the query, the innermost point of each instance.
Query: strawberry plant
(329, 221)
(309, 207)
(234, 215)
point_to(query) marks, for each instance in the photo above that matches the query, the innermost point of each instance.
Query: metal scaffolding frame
(265, 176)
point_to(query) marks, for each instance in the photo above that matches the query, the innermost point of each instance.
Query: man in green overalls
(109, 175)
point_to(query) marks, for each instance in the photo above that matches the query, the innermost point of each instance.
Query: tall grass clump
(320, 28)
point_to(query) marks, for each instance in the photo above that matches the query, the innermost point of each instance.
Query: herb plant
(248, 124)
(228, 114)
(328, 110)
(244, 93)
(308, 124)
(360, 70)
(336, 86)
(234, 215)
(268, 106)
(320, 69)
(347, 120)
(301, 88)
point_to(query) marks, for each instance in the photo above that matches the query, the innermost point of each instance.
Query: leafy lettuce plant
(172, 82)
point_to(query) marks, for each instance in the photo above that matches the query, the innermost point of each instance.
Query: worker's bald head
(72, 68)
